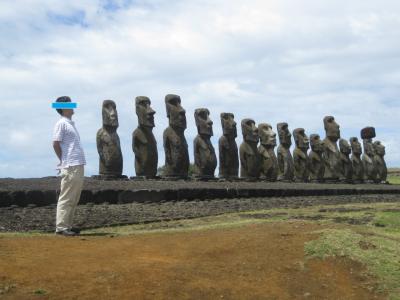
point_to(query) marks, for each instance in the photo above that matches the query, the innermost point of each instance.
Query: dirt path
(263, 261)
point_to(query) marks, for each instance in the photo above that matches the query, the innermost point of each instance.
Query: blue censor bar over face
(64, 105)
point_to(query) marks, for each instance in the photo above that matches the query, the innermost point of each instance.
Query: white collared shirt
(71, 149)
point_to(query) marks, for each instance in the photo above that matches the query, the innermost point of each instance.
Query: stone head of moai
(144, 111)
(355, 146)
(250, 131)
(267, 135)
(228, 125)
(332, 128)
(203, 122)
(379, 148)
(175, 112)
(285, 137)
(317, 145)
(344, 147)
(301, 139)
(110, 115)
(367, 134)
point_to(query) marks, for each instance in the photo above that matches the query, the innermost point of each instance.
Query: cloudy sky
(273, 61)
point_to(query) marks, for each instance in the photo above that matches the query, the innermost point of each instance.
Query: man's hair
(62, 99)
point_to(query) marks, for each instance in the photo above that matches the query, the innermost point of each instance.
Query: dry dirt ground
(252, 261)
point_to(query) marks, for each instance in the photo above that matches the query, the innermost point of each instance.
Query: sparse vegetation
(40, 292)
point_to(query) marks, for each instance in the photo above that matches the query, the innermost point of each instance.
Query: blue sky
(273, 61)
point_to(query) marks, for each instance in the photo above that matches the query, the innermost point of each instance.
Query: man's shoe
(76, 230)
(67, 233)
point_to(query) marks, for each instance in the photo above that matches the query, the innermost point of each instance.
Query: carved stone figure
(175, 145)
(380, 162)
(358, 166)
(249, 156)
(331, 153)
(370, 172)
(144, 144)
(269, 161)
(300, 158)
(346, 166)
(228, 150)
(285, 159)
(205, 159)
(108, 143)
(316, 162)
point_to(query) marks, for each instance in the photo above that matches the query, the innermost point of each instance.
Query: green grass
(376, 245)
(394, 179)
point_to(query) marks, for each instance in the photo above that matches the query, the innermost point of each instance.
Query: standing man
(68, 148)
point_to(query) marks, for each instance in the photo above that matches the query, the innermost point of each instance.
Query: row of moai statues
(326, 162)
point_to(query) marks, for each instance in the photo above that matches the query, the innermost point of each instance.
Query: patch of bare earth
(264, 261)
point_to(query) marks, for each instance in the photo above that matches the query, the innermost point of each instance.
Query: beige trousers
(71, 187)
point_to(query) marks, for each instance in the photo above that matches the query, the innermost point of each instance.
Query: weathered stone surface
(331, 153)
(300, 158)
(175, 145)
(205, 159)
(316, 162)
(228, 149)
(285, 158)
(358, 166)
(269, 161)
(108, 143)
(249, 157)
(380, 163)
(346, 166)
(144, 144)
(367, 134)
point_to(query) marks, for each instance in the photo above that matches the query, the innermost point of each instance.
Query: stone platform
(44, 191)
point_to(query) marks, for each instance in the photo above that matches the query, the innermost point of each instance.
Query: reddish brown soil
(252, 262)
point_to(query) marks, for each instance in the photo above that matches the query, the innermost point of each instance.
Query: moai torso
(144, 144)
(205, 159)
(269, 161)
(331, 154)
(380, 163)
(285, 159)
(316, 163)
(249, 156)
(228, 150)
(358, 166)
(370, 171)
(346, 166)
(300, 157)
(108, 143)
(175, 145)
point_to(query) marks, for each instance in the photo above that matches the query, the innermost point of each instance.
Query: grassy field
(365, 233)
(394, 179)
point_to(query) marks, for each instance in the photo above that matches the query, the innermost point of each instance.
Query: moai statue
(144, 144)
(249, 156)
(358, 166)
(300, 158)
(370, 172)
(331, 153)
(285, 159)
(205, 159)
(228, 150)
(380, 162)
(269, 161)
(346, 166)
(316, 162)
(175, 145)
(108, 144)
